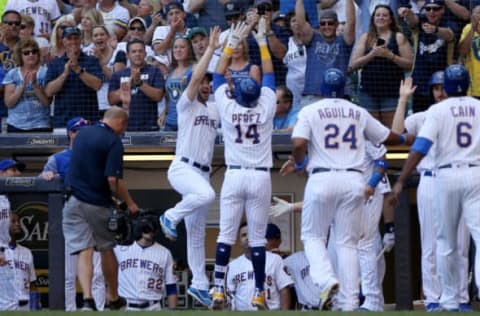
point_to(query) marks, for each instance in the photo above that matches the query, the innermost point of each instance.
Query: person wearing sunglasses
(324, 49)
(137, 28)
(28, 105)
(11, 21)
(44, 13)
(436, 36)
(56, 44)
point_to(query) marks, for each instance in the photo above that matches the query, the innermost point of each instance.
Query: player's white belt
(198, 165)
(143, 305)
(321, 169)
(249, 168)
(459, 165)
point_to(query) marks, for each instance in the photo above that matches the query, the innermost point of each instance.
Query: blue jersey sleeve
(268, 81)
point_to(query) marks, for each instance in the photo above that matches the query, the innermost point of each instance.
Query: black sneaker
(120, 303)
(88, 305)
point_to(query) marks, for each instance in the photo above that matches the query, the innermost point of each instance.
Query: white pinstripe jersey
(298, 268)
(20, 260)
(453, 124)
(247, 132)
(241, 281)
(336, 131)
(413, 124)
(144, 272)
(4, 220)
(197, 129)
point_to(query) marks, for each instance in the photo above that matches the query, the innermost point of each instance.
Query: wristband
(381, 163)
(403, 139)
(300, 166)
(389, 228)
(228, 51)
(264, 52)
(375, 179)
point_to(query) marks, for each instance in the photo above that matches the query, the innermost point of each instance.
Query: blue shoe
(201, 296)
(465, 308)
(433, 307)
(167, 228)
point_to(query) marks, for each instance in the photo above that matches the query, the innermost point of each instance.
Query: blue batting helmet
(333, 84)
(247, 92)
(438, 78)
(457, 80)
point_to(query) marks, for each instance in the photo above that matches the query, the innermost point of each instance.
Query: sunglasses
(434, 9)
(30, 52)
(140, 29)
(23, 26)
(329, 23)
(12, 23)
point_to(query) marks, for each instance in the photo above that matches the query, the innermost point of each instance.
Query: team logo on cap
(230, 6)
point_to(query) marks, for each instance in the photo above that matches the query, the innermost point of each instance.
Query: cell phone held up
(261, 9)
(380, 42)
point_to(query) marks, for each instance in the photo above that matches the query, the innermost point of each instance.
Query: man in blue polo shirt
(95, 176)
(138, 89)
(74, 80)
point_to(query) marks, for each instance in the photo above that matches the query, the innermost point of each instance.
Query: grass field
(225, 313)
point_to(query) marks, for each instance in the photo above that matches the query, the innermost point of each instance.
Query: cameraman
(95, 175)
(143, 285)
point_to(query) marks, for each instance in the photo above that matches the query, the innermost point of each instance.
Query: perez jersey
(336, 131)
(247, 132)
(454, 126)
(413, 124)
(20, 260)
(374, 152)
(144, 272)
(4, 220)
(197, 129)
(241, 282)
(298, 267)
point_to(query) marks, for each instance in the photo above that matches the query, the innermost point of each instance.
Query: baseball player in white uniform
(247, 123)
(335, 131)
(189, 172)
(57, 166)
(20, 261)
(8, 168)
(145, 270)
(308, 293)
(427, 195)
(241, 281)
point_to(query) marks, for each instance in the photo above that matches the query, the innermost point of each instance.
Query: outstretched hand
(261, 33)
(407, 88)
(213, 40)
(280, 207)
(237, 34)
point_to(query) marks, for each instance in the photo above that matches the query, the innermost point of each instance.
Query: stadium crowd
(55, 53)
(85, 59)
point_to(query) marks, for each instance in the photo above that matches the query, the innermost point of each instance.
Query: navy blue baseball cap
(174, 5)
(10, 163)
(76, 123)
(273, 232)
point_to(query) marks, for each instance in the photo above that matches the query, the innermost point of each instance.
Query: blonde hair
(155, 4)
(53, 38)
(28, 20)
(93, 15)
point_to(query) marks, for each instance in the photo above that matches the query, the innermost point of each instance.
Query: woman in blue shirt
(28, 106)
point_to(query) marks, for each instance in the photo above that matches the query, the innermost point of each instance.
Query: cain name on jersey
(462, 111)
(137, 263)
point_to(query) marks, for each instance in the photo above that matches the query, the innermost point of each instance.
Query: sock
(258, 261)
(221, 260)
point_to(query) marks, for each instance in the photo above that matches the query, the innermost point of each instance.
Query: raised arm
(349, 33)
(202, 66)
(406, 91)
(306, 30)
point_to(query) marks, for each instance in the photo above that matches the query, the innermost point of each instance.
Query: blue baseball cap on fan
(273, 232)
(10, 163)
